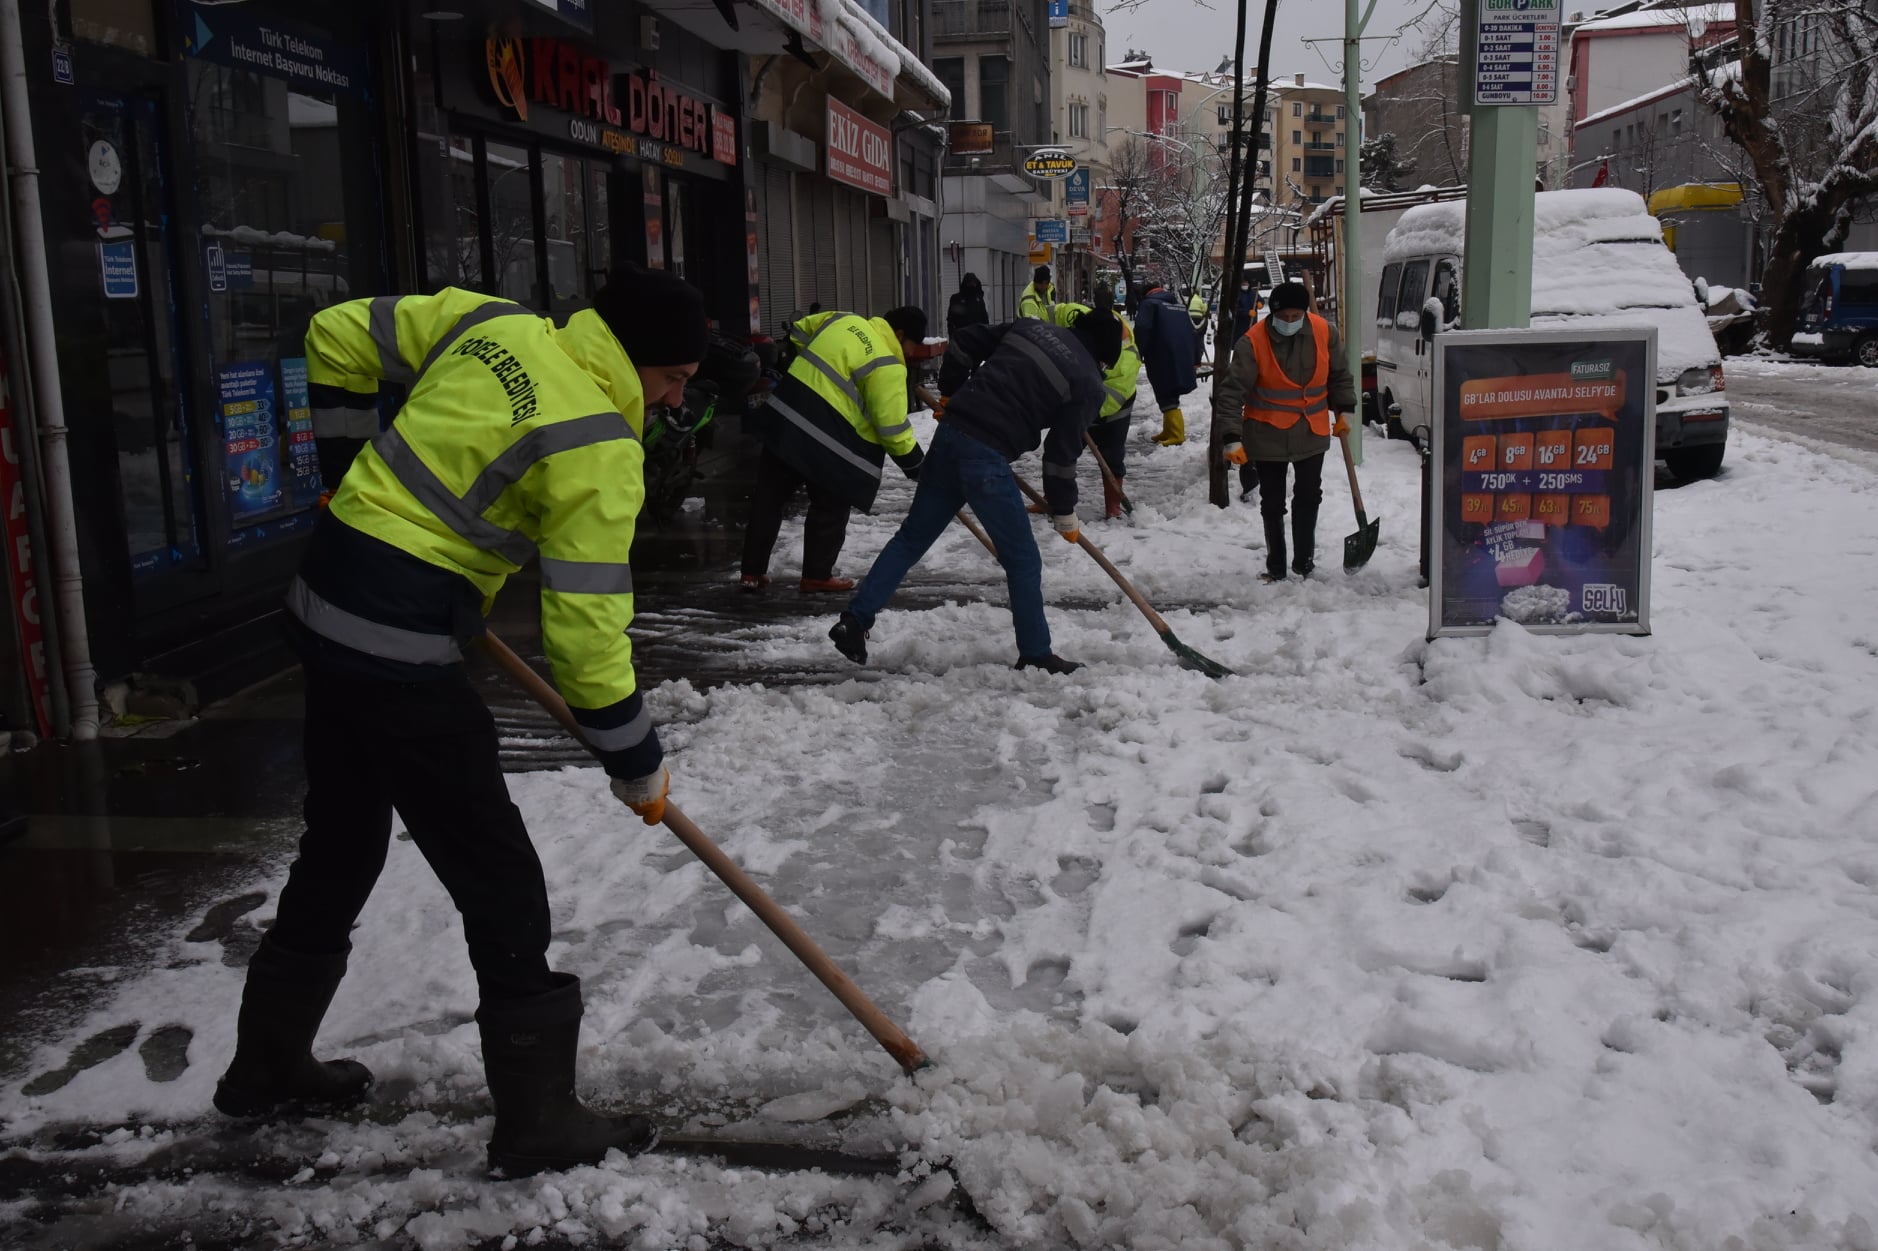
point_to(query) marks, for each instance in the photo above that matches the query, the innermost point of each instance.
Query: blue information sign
(229, 36)
(1051, 230)
(118, 262)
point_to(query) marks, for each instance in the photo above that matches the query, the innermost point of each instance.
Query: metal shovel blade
(1359, 547)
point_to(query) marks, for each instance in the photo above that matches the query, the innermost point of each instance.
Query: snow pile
(1851, 260)
(1511, 942)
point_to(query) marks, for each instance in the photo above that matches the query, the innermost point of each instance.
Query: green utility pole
(1352, 297)
(1509, 66)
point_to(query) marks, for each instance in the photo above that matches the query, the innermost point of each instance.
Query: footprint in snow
(89, 1054)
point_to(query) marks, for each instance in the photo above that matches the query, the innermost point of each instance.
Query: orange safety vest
(1281, 406)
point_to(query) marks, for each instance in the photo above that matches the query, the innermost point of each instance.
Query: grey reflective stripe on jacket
(586, 577)
(1042, 358)
(382, 323)
(827, 441)
(1314, 399)
(805, 350)
(619, 737)
(345, 423)
(374, 639)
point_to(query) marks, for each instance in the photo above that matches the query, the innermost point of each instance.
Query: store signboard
(578, 12)
(1544, 466)
(1050, 230)
(1050, 164)
(805, 17)
(228, 35)
(1076, 192)
(972, 138)
(859, 152)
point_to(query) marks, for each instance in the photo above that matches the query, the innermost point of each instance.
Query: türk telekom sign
(859, 152)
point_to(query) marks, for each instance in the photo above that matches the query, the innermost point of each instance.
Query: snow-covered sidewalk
(1513, 942)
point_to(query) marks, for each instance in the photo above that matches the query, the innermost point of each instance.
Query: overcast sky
(1188, 35)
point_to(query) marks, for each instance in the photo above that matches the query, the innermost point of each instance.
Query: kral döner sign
(860, 153)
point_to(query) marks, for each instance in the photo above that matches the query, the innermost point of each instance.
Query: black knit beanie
(1290, 295)
(657, 317)
(1102, 335)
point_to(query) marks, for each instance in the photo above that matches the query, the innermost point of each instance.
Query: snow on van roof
(1597, 256)
(1851, 260)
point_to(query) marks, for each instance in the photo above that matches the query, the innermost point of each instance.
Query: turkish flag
(1604, 175)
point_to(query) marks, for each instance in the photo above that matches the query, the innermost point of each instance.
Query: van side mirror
(1429, 324)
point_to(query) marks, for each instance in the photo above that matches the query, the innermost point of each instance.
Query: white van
(1598, 259)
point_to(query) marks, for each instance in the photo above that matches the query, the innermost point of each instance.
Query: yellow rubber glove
(645, 796)
(1234, 453)
(1342, 427)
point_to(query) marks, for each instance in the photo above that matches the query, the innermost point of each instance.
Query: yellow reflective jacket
(517, 439)
(855, 363)
(1119, 383)
(1041, 305)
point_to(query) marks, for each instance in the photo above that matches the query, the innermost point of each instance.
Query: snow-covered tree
(1384, 166)
(1801, 100)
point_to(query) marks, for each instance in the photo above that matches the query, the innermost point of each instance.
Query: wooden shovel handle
(1108, 475)
(902, 1048)
(1095, 553)
(1349, 467)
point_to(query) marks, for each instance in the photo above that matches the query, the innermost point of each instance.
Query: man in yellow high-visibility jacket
(517, 440)
(830, 425)
(1039, 298)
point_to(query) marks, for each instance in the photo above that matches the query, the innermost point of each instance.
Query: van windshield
(1818, 288)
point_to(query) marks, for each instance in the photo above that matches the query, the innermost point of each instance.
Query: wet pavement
(145, 829)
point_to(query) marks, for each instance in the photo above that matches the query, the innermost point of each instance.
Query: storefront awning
(853, 40)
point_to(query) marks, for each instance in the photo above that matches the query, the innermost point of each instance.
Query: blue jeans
(960, 470)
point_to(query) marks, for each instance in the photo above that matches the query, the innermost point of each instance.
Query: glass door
(161, 500)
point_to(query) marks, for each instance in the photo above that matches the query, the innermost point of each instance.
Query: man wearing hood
(967, 308)
(518, 440)
(1287, 377)
(1164, 335)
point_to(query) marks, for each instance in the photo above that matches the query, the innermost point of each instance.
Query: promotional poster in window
(1544, 465)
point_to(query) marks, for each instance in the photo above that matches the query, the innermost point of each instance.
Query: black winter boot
(1274, 548)
(1303, 537)
(1049, 663)
(849, 638)
(528, 1053)
(274, 1072)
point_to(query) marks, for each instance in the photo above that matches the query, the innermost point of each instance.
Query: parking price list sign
(1516, 51)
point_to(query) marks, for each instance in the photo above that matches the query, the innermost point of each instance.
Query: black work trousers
(1306, 495)
(1111, 439)
(824, 530)
(428, 750)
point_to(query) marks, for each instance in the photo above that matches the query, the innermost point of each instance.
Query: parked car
(1598, 259)
(1839, 311)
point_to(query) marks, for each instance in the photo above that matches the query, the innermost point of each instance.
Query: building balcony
(1317, 117)
(970, 18)
(1320, 147)
(1320, 166)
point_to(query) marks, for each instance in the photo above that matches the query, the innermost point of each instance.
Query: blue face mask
(1286, 328)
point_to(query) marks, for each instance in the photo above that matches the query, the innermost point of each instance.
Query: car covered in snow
(1598, 260)
(1839, 309)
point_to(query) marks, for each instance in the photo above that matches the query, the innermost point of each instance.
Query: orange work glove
(645, 796)
(1343, 425)
(1068, 525)
(1234, 453)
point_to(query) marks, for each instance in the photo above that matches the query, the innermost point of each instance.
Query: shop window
(275, 171)
(506, 187)
(564, 222)
(122, 138)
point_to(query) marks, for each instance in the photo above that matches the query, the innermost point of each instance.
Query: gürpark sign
(1050, 163)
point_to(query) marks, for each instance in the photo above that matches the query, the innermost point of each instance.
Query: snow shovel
(1358, 547)
(902, 1048)
(1189, 659)
(1108, 475)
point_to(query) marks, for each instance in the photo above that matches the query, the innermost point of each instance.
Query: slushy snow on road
(1515, 942)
